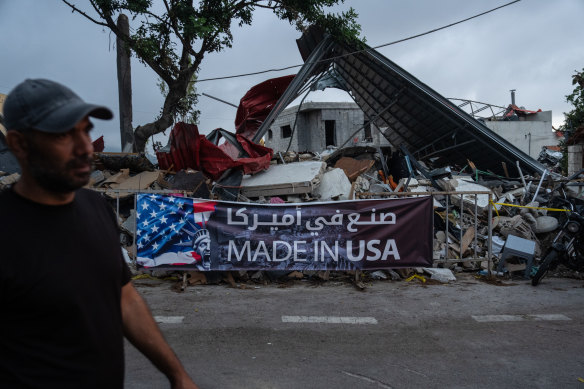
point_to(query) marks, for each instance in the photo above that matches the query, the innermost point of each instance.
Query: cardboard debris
(296, 274)
(140, 181)
(353, 168)
(197, 278)
(117, 178)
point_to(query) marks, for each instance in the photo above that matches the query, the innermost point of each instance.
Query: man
(65, 290)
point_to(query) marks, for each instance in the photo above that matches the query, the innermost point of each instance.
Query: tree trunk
(177, 90)
(124, 86)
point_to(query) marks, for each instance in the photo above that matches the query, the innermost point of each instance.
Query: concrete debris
(334, 185)
(440, 274)
(293, 178)
(465, 184)
(526, 206)
(379, 275)
(7, 180)
(545, 224)
(129, 225)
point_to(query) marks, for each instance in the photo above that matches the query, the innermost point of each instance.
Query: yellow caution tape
(495, 208)
(416, 276)
(525, 206)
(580, 379)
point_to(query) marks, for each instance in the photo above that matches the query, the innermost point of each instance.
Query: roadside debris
(524, 206)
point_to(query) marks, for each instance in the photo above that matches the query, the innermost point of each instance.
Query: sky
(533, 46)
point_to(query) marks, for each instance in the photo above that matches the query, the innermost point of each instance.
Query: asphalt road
(394, 334)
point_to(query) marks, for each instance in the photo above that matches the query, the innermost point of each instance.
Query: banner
(186, 233)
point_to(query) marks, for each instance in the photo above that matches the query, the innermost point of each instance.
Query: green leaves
(173, 36)
(575, 118)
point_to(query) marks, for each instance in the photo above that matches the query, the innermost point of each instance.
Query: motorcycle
(568, 245)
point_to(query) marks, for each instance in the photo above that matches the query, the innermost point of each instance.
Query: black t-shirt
(61, 273)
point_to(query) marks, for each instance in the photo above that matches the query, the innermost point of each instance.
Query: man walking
(65, 290)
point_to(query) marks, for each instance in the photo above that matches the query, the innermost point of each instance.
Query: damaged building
(417, 120)
(399, 137)
(314, 126)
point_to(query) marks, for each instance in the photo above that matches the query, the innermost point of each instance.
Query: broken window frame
(330, 133)
(286, 131)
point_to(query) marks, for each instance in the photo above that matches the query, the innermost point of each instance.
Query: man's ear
(18, 144)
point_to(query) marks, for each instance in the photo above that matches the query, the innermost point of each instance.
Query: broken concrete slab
(6, 181)
(465, 184)
(129, 225)
(439, 274)
(467, 240)
(293, 178)
(379, 275)
(334, 185)
(545, 224)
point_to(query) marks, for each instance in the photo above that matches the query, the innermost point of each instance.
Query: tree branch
(174, 27)
(75, 9)
(132, 44)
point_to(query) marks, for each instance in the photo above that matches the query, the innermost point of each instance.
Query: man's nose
(83, 143)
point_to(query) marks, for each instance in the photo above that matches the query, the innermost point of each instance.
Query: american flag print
(171, 231)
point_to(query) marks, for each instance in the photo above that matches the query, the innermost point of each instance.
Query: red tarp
(255, 106)
(98, 144)
(189, 149)
(513, 109)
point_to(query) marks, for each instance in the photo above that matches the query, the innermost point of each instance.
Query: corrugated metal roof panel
(415, 115)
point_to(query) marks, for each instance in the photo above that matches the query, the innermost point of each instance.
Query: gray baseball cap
(47, 106)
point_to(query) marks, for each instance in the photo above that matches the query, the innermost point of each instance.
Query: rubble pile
(521, 206)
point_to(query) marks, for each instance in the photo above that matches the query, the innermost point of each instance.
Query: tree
(174, 42)
(575, 118)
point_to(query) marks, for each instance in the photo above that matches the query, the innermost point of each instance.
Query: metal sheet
(421, 120)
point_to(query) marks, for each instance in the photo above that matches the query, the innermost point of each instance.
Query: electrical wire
(359, 51)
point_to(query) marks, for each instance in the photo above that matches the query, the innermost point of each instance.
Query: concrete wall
(574, 159)
(310, 127)
(527, 135)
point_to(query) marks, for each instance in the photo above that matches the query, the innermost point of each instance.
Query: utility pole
(125, 86)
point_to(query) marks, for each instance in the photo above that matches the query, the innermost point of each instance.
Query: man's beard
(54, 178)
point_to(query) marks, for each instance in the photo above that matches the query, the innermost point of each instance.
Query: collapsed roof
(418, 120)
